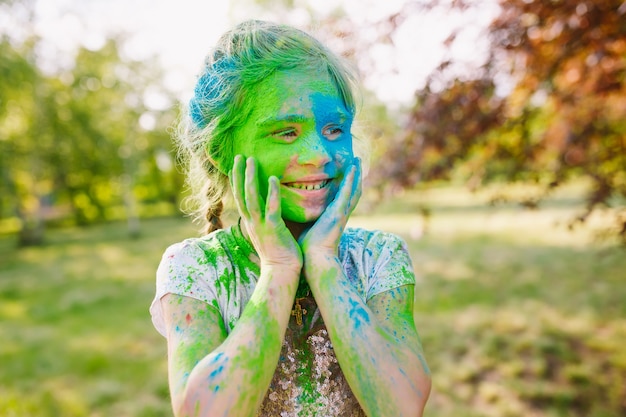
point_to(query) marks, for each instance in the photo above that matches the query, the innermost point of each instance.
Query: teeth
(308, 186)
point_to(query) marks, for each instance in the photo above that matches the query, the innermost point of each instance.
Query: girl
(286, 313)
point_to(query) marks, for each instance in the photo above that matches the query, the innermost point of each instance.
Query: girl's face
(298, 131)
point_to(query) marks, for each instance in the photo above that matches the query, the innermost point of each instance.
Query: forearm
(384, 370)
(233, 378)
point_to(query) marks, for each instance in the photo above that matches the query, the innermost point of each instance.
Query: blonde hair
(244, 56)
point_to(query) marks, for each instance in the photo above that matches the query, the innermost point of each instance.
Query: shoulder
(380, 259)
(371, 240)
(196, 252)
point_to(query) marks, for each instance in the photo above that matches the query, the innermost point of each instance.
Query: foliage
(503, 335)
(561, 118)
(544, 107)
(83, 141)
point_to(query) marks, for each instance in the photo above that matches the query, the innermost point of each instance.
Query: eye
(333, 132)
(289, 134)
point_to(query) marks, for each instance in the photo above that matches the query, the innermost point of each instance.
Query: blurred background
(497, 150)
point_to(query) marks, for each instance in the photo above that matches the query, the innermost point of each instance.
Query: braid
(213, 217)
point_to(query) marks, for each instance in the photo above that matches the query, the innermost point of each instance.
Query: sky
(181, 32)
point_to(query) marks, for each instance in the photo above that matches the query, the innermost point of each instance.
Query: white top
(222, 269)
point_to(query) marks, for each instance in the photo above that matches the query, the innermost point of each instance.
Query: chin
(301, 218)
(299, 215)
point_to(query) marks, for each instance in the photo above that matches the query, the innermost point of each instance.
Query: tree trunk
(33, 226)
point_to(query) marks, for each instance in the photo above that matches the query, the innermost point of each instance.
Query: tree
(83, 141)
(19, 154)
(562, 118)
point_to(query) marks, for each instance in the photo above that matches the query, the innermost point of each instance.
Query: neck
(297, 229)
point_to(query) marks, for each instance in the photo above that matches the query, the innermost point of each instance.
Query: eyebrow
(297, 118)
(290, 118)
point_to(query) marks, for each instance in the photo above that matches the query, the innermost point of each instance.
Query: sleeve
(389, 263)
(183, 270)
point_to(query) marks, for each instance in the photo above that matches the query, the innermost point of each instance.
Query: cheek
(273, 161)
(342, 152)
(270, 162)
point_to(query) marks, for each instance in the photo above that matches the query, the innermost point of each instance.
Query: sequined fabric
(308, 381)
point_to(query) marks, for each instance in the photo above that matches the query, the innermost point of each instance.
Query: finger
(336, 206)
(272, 205)
(357, 186)
(252, 198)
(345, 191)
(237, 184)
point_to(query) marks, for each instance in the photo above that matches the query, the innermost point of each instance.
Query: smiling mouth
(309, 185)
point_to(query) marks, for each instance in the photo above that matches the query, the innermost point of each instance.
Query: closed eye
(286, 134)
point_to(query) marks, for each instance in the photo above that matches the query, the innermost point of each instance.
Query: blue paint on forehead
(329, 108)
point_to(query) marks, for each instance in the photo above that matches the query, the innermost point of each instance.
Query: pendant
(298, 311)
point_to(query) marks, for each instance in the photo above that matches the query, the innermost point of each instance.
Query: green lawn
(518, 316)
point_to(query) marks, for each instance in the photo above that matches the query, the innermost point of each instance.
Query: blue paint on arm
(358, 313)
(216, 372)
(217, 357)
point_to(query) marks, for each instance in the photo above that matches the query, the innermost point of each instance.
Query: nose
(314, 150)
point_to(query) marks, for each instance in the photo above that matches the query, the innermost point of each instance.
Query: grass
(77, 338)
(518, 315)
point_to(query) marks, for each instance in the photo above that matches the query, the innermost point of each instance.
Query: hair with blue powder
(244, 56)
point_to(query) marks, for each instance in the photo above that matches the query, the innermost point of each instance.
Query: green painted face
(298, 131)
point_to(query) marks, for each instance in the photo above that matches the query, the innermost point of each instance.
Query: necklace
(303, 292)
(303, 288)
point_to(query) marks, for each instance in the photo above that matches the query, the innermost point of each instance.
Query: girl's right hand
(266, 229)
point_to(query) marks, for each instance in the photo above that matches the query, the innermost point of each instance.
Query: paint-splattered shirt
(222, 269)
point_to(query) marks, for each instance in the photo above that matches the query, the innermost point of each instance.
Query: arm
(212, 374)
(376, 343)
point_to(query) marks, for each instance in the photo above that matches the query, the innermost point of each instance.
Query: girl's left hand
(323, 237)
